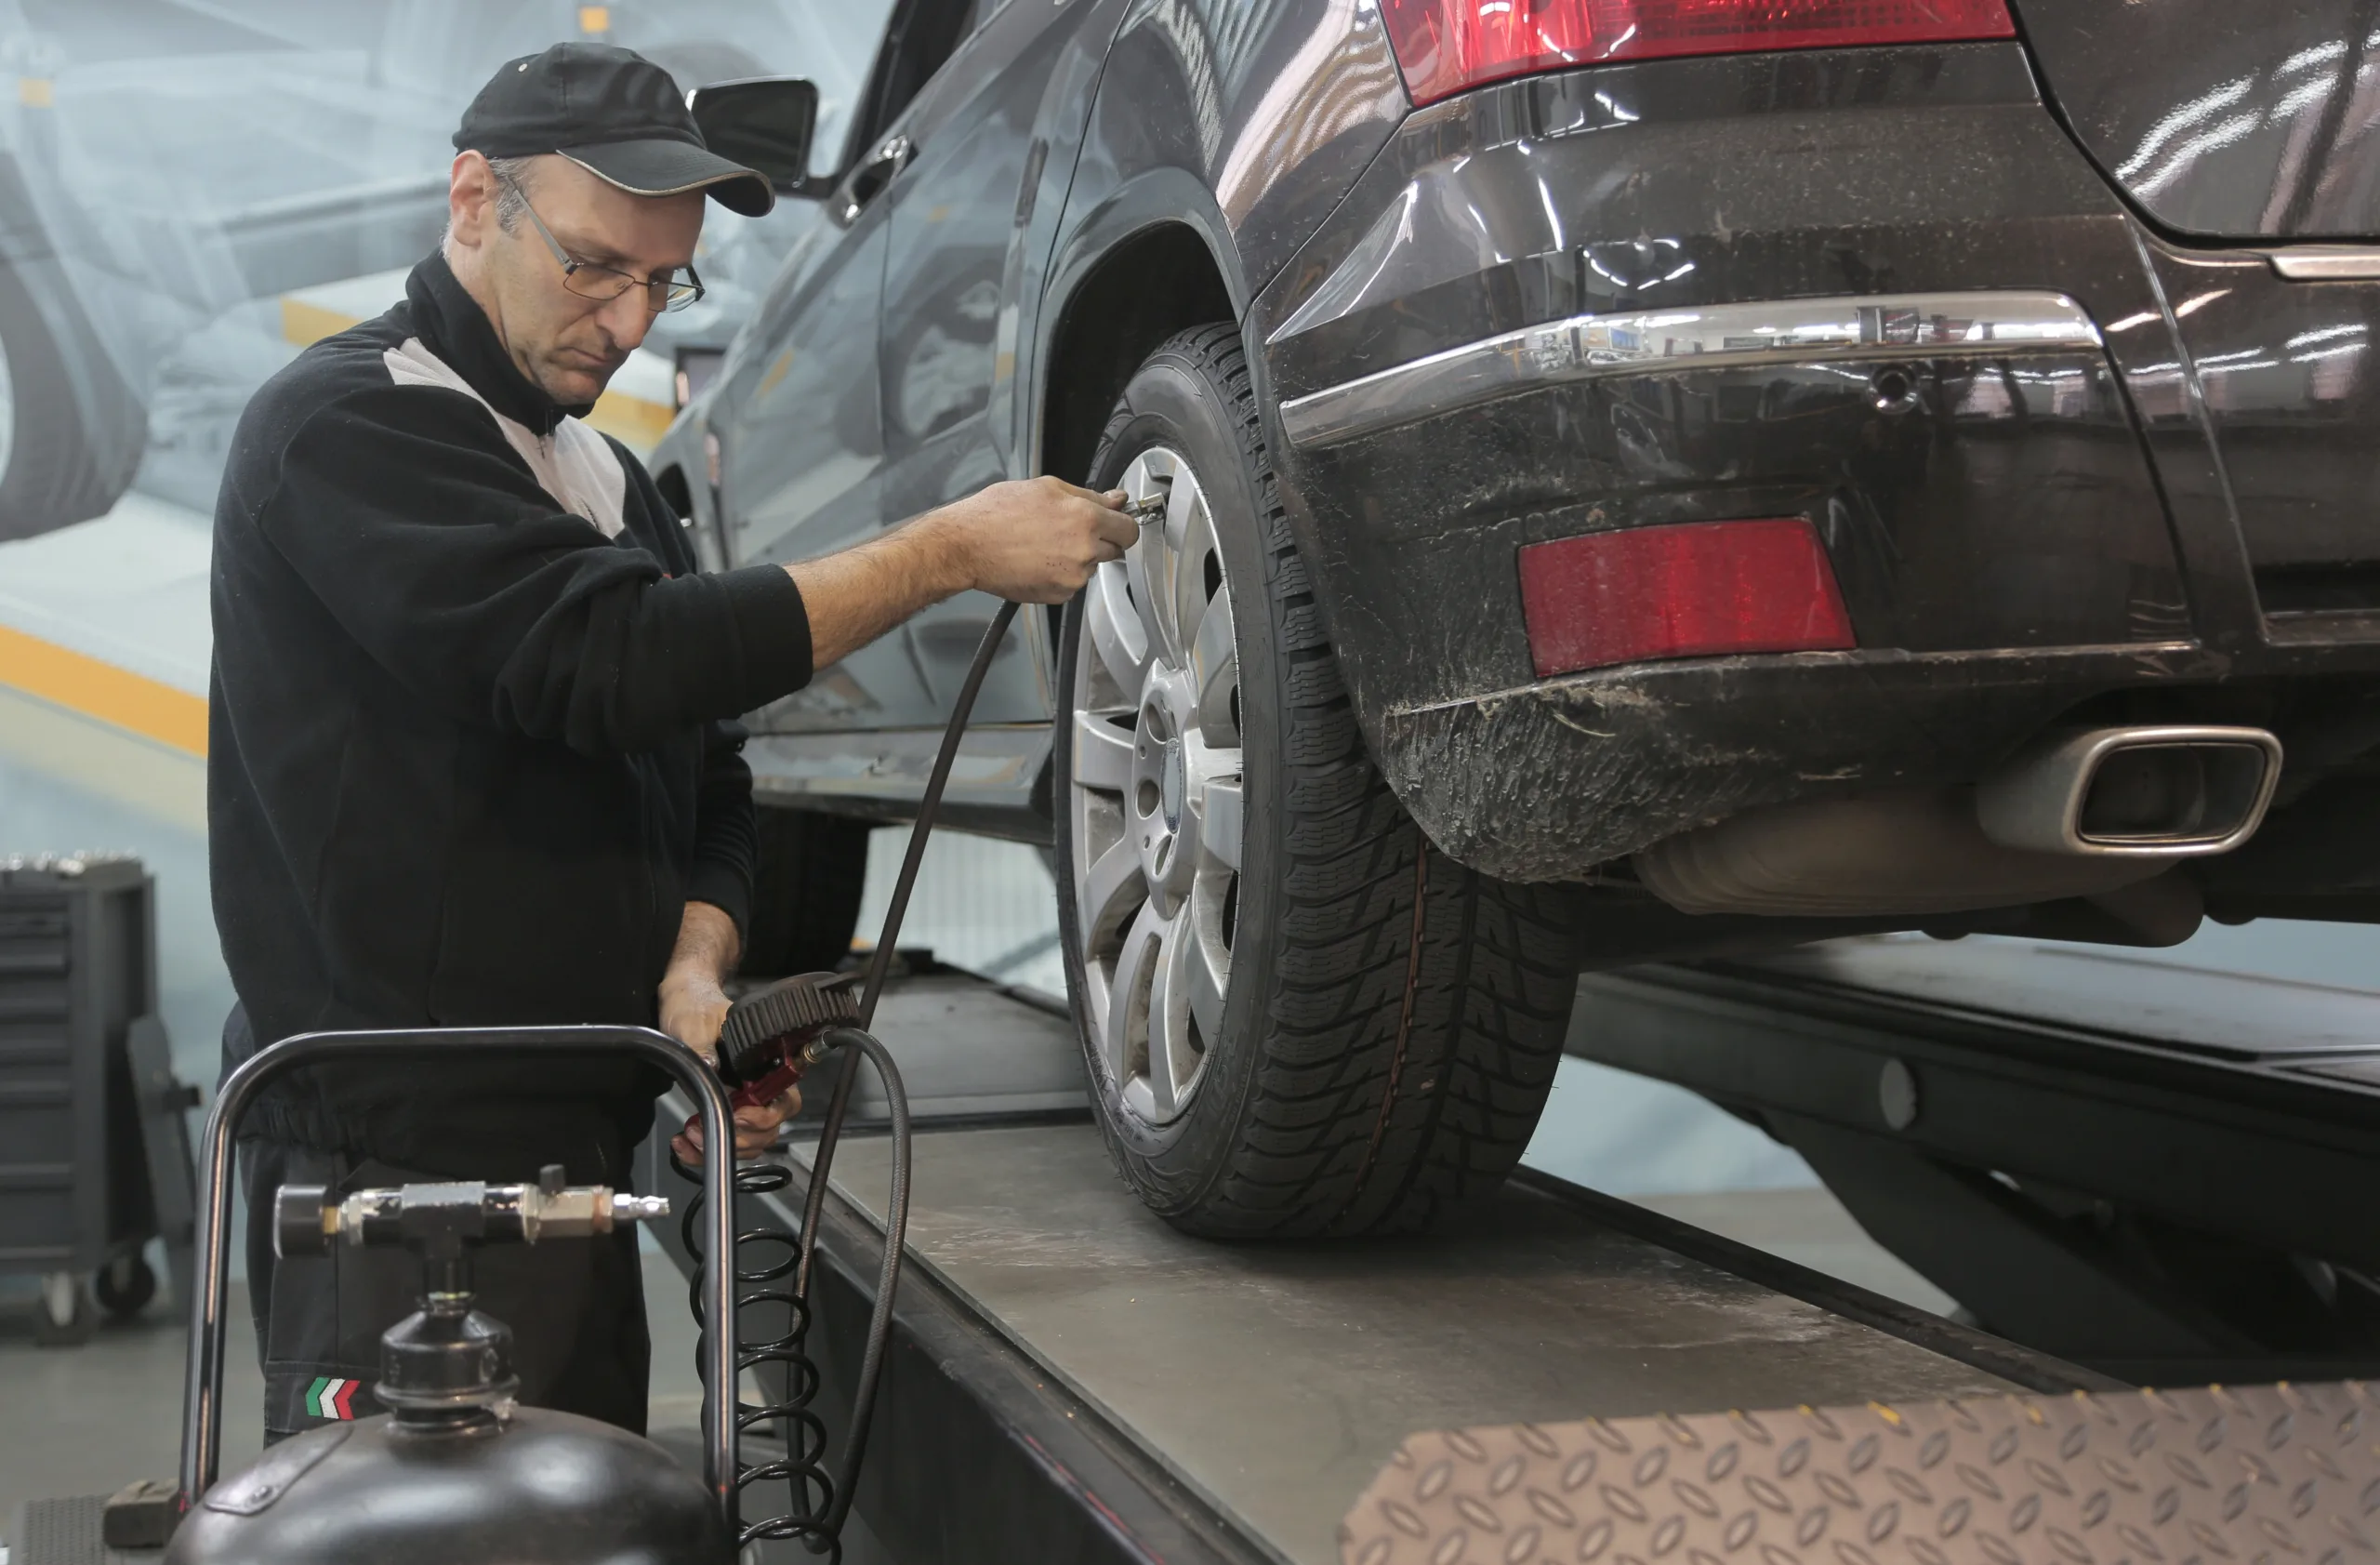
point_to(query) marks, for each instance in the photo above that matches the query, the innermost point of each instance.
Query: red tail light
(1446, 46)
(1698, 589)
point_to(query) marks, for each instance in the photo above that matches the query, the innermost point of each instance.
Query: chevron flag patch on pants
(330, 1396)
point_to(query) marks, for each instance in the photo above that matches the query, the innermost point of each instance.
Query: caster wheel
(124, 1286)
(64, 1318)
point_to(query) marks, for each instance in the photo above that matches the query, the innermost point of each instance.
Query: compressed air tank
(456, 1472)
(533, 1487)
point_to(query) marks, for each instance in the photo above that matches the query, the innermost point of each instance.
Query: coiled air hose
(820, 1504)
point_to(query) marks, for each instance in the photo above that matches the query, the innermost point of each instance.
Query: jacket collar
(451, 325)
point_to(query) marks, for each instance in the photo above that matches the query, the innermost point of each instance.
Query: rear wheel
(806, 884)
(1299, 1018)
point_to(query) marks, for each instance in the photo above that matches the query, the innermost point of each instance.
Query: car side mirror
(765, 123)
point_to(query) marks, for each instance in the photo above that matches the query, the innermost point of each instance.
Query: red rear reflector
(1699, 590)
(1446, 46)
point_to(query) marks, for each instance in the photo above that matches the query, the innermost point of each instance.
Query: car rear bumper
(1551, 779)
(1661, 294)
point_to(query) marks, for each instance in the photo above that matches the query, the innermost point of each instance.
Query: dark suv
(1643, 478)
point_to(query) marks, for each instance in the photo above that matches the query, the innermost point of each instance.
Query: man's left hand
(693, 1007)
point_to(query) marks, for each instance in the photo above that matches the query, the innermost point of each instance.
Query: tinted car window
(923, 33)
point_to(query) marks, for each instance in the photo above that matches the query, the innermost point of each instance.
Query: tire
(56, 468)
(1345, 1031)
(124, 1286)
(806, 885)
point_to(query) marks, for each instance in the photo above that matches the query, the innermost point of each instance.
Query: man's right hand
(1035, 540)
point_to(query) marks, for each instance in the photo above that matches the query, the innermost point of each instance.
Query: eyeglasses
(589, 280)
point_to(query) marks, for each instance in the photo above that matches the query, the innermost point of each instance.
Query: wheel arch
(1154, 258)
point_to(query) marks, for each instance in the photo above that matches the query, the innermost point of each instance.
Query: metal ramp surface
(1561, 1377)
(1071, 1378)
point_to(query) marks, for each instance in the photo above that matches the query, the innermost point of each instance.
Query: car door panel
(958, 215)
(802, 455)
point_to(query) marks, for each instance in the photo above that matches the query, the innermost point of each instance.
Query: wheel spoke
(1205, 967)
(1190, 527)
(1151, 469)
(1127, 1033)
(1116, 631)
(1171, 1060)
(1175, 573)
(1110, 889)
(1214, 671)
(1221, 819)
(1099, 1002)
(1103, 754)
(1151, 565)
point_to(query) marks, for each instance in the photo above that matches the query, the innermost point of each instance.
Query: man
(472, 752)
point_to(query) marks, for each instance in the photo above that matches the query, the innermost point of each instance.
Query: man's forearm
(1033, 541)
(693, 1006)
(855, 596)
(707, 946)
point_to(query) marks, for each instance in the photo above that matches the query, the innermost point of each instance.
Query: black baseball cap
(612, 112)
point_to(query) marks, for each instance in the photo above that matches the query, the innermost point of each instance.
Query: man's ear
(470, 199)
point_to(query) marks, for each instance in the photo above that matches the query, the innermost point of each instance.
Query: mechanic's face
(568, 344)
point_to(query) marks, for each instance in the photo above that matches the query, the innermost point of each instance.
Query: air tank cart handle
(445, 1222)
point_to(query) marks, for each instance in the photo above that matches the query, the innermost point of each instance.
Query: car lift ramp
(2166, 1173)
(1071, 1379)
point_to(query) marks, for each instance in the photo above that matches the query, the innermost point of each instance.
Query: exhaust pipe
(1902, 852)
(2151, 792)
(2090, 814)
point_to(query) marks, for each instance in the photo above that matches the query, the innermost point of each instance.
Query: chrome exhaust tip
(2151, 792)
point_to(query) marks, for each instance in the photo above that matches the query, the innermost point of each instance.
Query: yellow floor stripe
(631, 421)
(305, 323)
(101, 690)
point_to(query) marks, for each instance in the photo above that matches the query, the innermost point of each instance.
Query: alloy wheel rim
(1156, 796)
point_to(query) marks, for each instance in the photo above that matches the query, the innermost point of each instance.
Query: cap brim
(658, 168)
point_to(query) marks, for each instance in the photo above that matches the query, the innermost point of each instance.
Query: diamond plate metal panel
(2268, 1475)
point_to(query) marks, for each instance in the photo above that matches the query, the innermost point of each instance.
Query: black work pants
(576, 1306)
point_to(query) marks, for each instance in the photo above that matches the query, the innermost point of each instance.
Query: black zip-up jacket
(470, 737)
